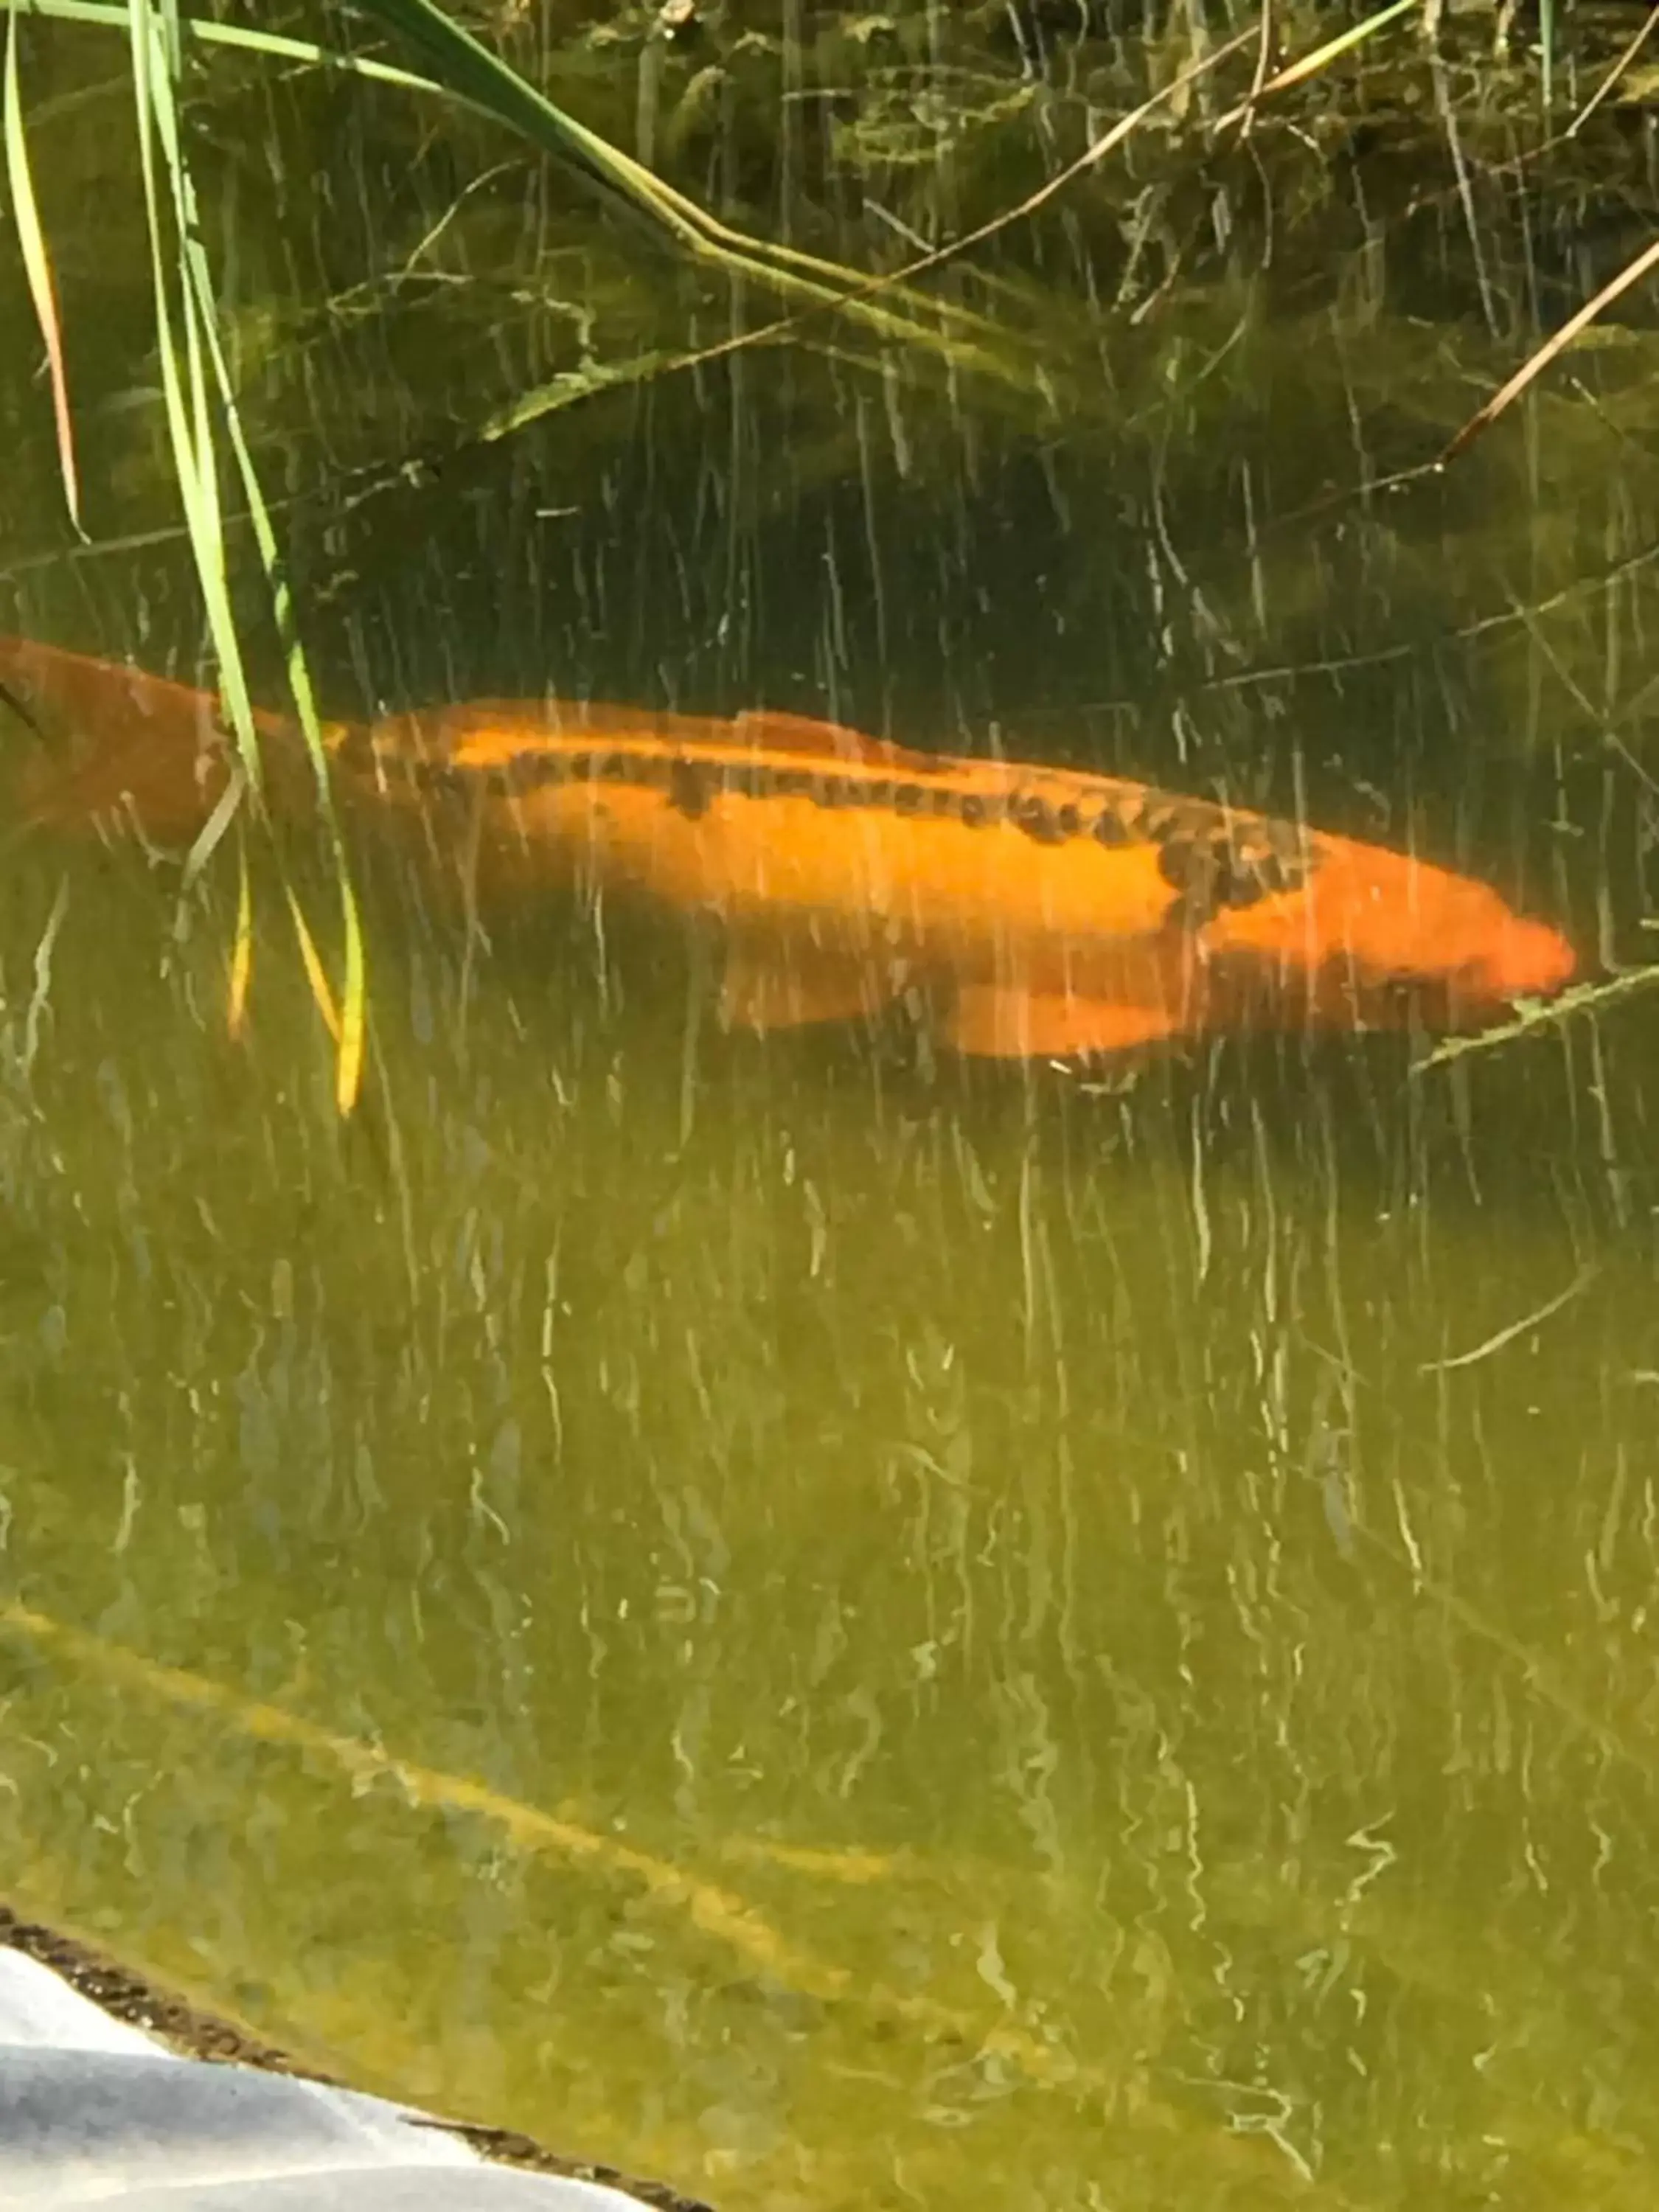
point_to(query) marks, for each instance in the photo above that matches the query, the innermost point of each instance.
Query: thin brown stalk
(1614, 74)
(1321, 57)
(1555, 344)
(1258, 83)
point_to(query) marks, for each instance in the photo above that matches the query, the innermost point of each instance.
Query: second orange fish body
(1019, 909)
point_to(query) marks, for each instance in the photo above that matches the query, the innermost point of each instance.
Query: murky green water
(835, 1628)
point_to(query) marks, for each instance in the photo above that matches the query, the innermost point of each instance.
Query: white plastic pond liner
(93, 2112)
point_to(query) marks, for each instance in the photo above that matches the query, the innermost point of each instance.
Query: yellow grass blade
(316, 974)
(354, 1011)
(241, 951)
(38, 268)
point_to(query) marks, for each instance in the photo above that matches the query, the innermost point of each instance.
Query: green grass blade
(194, 460)
(195, 400)
(349, 1031)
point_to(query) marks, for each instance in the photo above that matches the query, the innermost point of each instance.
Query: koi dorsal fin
(483, 733)
(769, 731)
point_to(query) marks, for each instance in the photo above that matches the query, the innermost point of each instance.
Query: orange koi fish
(114, 745)
(1018, 909)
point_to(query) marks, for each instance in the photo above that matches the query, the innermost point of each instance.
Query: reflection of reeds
(714, 1910)
(1120, 2060)
(950, 2036)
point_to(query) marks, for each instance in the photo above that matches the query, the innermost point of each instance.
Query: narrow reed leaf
(190, 430)
(37, 268)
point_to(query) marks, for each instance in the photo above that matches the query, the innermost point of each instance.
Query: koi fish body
(1035, 910)
(1023, 910)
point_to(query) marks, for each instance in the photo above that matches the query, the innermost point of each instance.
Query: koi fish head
(1379, 939)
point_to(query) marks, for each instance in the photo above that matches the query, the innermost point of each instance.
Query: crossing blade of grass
(1649, 23)
(38, 268)
(213, 830)
(316, 973)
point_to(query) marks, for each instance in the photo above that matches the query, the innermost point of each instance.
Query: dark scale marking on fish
(1038, 820)
(356, 750)
(1111, 828)
(527, 770)
(439, 775)
(690, 788)
(1212, 873)
(1282, 872)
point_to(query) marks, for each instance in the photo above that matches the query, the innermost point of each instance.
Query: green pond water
(823, 1624)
